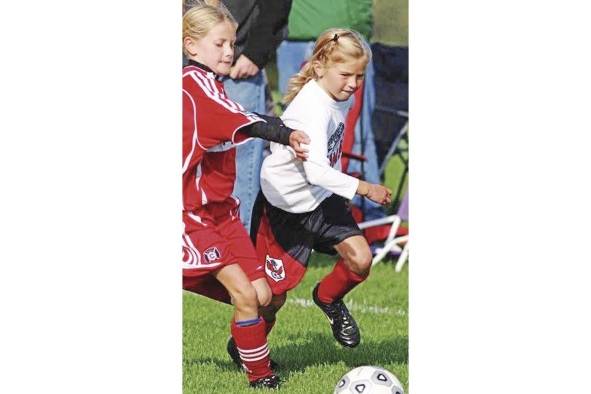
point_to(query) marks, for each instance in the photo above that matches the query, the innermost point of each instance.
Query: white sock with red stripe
(251, 342)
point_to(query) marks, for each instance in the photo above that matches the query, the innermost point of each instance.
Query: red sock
(269, 326)
(339, 282)
(252, 346)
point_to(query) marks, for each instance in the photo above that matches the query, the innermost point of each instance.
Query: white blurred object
(392, 243)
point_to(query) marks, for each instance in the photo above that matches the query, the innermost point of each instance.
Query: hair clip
(335, 38)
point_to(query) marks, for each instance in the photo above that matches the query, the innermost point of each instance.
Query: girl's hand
(243, 68)
(296, 139)
(376, 193)
(380, 194)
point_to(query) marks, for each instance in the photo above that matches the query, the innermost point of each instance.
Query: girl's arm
(375, 192)
(319, 170)
(273, 129)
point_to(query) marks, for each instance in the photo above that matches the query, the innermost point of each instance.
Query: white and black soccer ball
(369, 380)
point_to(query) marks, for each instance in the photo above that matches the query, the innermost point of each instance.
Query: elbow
(312, 179)
(314, 174)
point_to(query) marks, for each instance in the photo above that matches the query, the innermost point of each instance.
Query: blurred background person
(390, 55)
(262, 25)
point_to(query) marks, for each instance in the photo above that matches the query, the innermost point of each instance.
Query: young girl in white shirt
(305, 205)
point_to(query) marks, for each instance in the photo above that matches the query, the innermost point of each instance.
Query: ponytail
(297, 82)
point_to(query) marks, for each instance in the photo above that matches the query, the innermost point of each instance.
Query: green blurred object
(390, 22)
(309, 18)
(396, 176)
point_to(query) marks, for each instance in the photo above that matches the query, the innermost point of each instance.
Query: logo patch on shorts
(211, 255)
(274, 268)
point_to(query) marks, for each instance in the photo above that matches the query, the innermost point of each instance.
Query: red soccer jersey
(210, 131)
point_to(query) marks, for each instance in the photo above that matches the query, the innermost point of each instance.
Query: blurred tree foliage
(390, 22)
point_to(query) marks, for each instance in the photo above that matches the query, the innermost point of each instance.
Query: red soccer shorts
(213, 239)
(284, 240)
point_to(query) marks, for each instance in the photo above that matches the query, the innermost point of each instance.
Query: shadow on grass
(324, 260)
(225, 365)
(320, 349)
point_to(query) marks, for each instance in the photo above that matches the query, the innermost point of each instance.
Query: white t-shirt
(296, 186)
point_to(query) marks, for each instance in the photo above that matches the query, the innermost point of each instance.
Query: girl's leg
(263, 291)
(269, 312)
(208, 286)
(352, 269)
(243, 294)
(247, 328)
(269, 304)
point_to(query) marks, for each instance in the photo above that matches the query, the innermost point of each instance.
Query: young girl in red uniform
(219, 260)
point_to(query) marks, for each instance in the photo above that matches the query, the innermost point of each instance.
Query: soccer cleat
(270, 382)
(344, 327)
(235, 356)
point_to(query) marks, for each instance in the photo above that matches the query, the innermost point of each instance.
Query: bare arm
(376, 193)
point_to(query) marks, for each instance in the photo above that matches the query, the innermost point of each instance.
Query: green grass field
(301, 342)
(311, 361)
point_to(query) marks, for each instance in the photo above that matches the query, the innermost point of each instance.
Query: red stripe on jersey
(195, 139)
(206, 84)
(219, 94)
(210, 89)
(210, 119)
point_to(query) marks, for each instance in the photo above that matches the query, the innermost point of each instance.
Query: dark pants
(391, 82)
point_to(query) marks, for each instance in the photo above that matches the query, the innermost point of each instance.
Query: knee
(271, 310)
(263, 290)
(264, 296)
(245, 298)
(360, 263)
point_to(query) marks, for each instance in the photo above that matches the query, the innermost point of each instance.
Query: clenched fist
(296, 139)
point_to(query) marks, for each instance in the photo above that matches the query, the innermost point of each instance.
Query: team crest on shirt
(334, 146)
(211, 255)
(274, 268)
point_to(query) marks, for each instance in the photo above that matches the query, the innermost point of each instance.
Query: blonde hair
(201, 16)
(332, 46)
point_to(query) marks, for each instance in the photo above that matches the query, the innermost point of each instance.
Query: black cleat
(344, 327)
(269, 382)
(235, 356)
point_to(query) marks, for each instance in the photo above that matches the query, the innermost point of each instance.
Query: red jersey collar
(203, 67)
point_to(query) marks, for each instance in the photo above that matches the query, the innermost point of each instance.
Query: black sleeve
(267, 31)
(274, 130)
